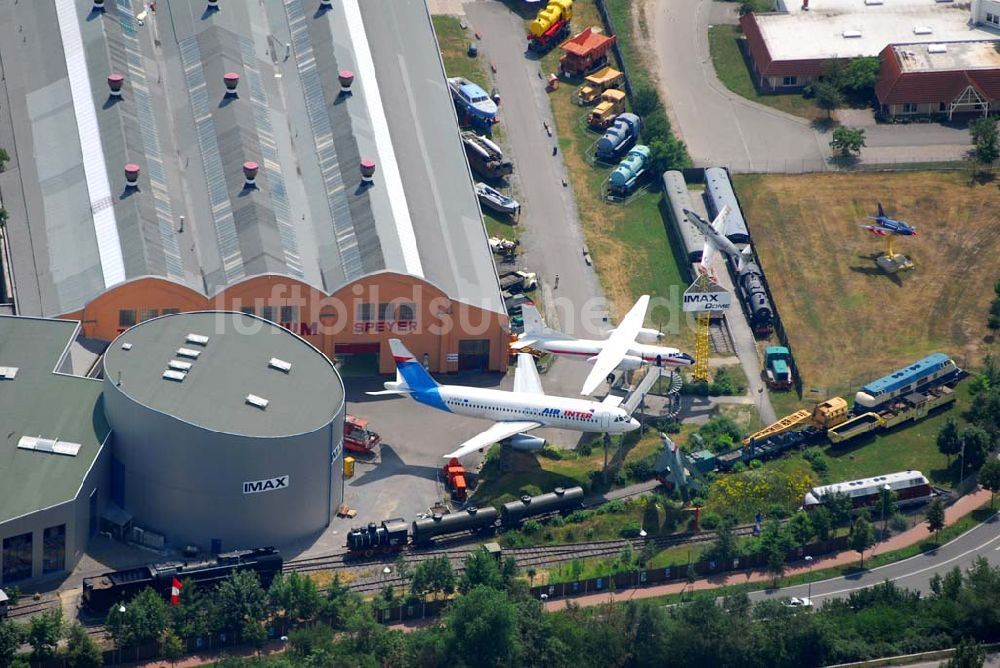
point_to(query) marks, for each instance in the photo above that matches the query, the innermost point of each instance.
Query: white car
(796, 602)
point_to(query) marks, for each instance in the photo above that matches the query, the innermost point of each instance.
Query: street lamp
(121, 611)
(809, 560)
(885, 503)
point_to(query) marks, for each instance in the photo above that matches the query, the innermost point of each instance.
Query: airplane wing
(526, 378)
(617, 345)
(497, 432)
(719, 224)
(707, 253)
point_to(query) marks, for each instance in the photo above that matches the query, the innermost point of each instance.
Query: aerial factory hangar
(295, 162)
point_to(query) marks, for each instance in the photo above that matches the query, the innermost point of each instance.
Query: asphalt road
(719, 127)
(914, 573)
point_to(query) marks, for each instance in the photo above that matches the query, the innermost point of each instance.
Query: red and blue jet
(885, 226)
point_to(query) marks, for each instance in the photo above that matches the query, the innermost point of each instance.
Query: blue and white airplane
(885, 226)
(514, 412)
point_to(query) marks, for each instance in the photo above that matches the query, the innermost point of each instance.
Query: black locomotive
(103, 591)
(759, 311)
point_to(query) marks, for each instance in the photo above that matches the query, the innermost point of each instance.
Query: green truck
(777, 373)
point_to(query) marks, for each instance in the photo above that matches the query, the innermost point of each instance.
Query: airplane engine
(649, 335)
(525, 442)
(630, 362)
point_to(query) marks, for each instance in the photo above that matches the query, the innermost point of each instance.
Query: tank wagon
(619, 138)
(678, 199)
(392, 536)
(559, 500)
(472, 519)
(103, 591)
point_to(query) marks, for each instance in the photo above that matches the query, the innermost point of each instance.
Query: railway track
(719, 337)
(31, 608)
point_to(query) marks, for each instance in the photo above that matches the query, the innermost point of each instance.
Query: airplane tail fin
(881, 211)
(409, 372)
(746, 255)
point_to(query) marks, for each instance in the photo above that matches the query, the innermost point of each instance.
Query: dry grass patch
(848, 322)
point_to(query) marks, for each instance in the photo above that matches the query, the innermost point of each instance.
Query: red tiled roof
(896, 87)
(762, 57)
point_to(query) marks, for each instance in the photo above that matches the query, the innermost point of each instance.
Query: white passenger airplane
(523, 409)
(716, 240)
(631, 349)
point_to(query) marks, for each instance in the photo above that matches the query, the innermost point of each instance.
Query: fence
(609, 27)
(900, 164)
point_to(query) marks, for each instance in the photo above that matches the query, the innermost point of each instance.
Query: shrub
(530, 490)
(645, 100)
(586, 448)
(898, 523)
(641, 469)
(616, 506)
(557, 521)
(724, 384)
(710, 521)
(550, 452)
(621, 478)
(569, 535)
(777, 511)
(531, 527)
(695, 389)
(630, 530)
(817, 460)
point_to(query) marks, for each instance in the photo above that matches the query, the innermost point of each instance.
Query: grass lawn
(574, 468)
(732, 70)
(627, 241)
(847, 322)
(454, 43)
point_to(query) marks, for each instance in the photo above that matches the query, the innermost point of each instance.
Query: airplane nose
(633, 424)
(686, 358)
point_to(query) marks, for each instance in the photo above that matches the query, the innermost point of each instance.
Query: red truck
(357, 436)
(585, 53)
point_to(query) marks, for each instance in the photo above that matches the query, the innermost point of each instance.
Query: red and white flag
(175, 592)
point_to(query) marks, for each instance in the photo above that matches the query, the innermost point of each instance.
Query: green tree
(44, 632)
(483, 624)
(645, 100)
(252, 632)
(989, 477)
(240, 599)
(849, 141)
(481, 570)
(4, 159)
(839, 505)
(294, 596)
(985, 142)
(992, 318)
(775, 543)
(81, 650)
(142, 621)
(949, 441)
(668, 153)
(171, 646)
(968, 654)
(655, 127)
(827, 97)
(861, 74)
(976, 443)
(194, 612)
(801, 527)
(725, 548)
(820, 520)
(11, 637)
(861, 536)
(935, 517)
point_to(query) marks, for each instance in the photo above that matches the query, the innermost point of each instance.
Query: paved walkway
(959, 509)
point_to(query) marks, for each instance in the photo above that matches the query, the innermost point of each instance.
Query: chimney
(250, 174)
(131, 175)
(98, 6)
(213, 5)
(232, 80)
(346, 78)
(325, 4)
(367, 171)
(115, 82)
